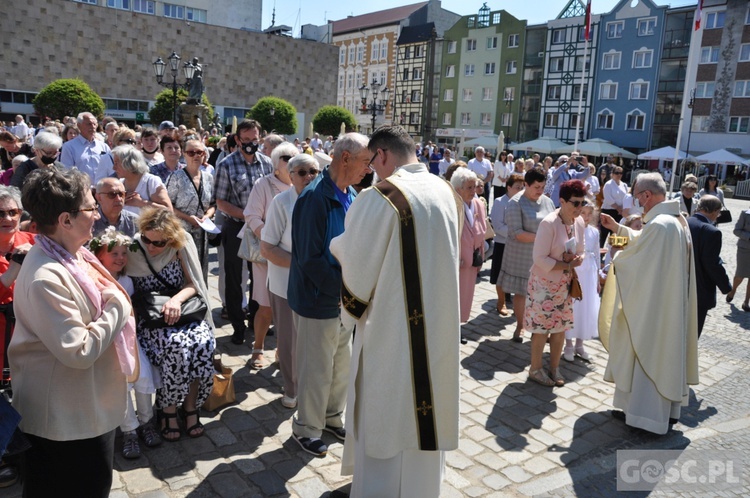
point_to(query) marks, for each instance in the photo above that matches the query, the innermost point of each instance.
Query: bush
(328, 119)
(68, 97)
(162, 110)
(284, 119)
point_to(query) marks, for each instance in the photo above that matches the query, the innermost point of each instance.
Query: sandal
(149, 435)
(540, 377)
(256, 360)
(185, 414)
(556, 378)
(518, 336)
(167, 432)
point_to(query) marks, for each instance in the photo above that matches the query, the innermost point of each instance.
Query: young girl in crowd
(586, 311)
(111, 248)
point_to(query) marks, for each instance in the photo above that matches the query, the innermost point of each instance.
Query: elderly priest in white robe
(399, 259)
(648, 319)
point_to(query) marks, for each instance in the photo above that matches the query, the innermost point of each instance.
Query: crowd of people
(109, 228)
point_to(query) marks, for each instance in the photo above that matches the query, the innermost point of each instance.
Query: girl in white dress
(586, 311)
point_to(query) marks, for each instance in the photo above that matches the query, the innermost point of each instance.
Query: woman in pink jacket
(558, 248)
(464, 181)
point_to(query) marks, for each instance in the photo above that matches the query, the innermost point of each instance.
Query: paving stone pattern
(517, 438)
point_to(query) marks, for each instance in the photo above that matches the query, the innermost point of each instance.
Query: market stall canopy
(489, 142)
(597, 147)
(662, 154)
(544, 145)
(721, 156)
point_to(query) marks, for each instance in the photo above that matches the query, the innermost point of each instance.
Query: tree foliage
(284, 119)
(162, 110)
(68, 97)
(328, 119)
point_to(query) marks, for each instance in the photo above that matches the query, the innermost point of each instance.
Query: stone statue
(195, 94)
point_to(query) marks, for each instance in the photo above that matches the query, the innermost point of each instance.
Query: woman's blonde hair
(163, 221)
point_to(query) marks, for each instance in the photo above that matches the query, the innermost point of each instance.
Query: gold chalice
(618, 240)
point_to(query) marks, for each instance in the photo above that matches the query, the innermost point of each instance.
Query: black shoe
(8, 475)
(339, 432)
(618, 415)
(238, 337)
(745, 307)
(224, 313)
(673, 421)
(312, 445)
(463, 340)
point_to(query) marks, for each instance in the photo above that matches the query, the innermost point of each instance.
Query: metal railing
(742, 189)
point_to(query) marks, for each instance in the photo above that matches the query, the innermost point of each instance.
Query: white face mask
(636, 204)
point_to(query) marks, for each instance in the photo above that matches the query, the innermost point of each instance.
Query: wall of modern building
(113, 51)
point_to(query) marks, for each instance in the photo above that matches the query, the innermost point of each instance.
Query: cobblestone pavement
(517, 438)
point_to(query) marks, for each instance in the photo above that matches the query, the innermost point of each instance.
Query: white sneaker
(582, 354)
(289, 402)
(568, 354)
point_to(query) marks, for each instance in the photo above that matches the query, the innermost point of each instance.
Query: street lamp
(272, 112)
(376, 106)
(508, 101)
(174, 64)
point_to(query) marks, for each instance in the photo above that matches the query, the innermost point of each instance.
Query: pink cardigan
(549, 245)
(260, 198)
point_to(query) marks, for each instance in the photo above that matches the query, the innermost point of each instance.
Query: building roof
(415, 34)
(379, 18)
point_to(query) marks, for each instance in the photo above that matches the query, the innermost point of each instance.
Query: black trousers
(82, 467)
(498, 192)
(604, 232)
(233, 274)
(702, 312)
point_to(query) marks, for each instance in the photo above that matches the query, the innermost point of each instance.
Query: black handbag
(724, 217)
(148, 304)
(476, 258)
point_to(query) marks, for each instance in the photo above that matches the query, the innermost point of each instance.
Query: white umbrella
(545, 145)
(461, 145)
(597, 147)
(489, 142)
(662, 154)
(721, 156)
(500, 142)
(342, 132)
(310, 133)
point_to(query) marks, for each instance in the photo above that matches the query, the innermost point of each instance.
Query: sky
(295, 13)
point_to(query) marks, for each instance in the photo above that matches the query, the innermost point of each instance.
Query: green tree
(328, 119)
(162, 110)
(283, 120)
(68, 97)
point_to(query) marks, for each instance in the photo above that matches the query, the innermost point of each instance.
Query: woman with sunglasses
(190, 190)
(558, 248)
(124, 136)
(183, 354)
(142, 189)
(255, 212)
(46, 151)
(73, 348)
(276, 247)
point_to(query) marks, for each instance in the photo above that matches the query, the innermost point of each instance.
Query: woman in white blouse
(615, 191)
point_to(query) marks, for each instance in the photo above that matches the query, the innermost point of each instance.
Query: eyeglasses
(286, 159)
(113, 195)
(577, 203)
(10, 213)
(303, 172)
(193, 153)
(86, 210)
(128, 141)
(374, 156)
(155, 243)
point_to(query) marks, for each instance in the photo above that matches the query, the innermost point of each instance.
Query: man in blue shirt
(86, 152)
(323, 344)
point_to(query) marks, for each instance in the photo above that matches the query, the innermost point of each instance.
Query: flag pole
(587, 36)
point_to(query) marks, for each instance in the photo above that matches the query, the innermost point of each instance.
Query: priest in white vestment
(648, 318)
(399, 260)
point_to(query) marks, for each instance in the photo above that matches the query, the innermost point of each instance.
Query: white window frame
(360, 53)
(557, 64)
(416, 73)
(606, 92)
(558, 36)
(738, 123)
(554, 92)
(609, 118)
(491, 42)
(144, 7)
(384, 49)
(471, 44)
(465, 118)
(611, 61)
(489, 68)
(637, 88)
(577, 86)
(715, 20)
(578, 67)
(636, 115)
(486, 93)
(196, 15)
(416, 96)
(469, 70)
(448, 95)
(178, 9)
(551, 120)
(509, 93)
(485, 118)
(383, 75)
(700, 124)
(349, 81)
(573, 120)
(450, 71)
(447, 118)
(506, 119)
(613, 31)
(644, 25)
(643, 53)
(374, 50)
(741, 89)
(709, 55)
(357, 80)
(342, 55)
(452, 44)
(352, 53)
(511, 67)
(341, 81)
(118, 4)
(705, 90)
(467, 94)
(414, 117)
(514, 40)
(745, 52)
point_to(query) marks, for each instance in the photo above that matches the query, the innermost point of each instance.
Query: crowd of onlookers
(151, 203)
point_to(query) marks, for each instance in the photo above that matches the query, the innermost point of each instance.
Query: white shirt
(92, 158)
(21, 130)
(614, 194)
(146, 188)
(444, 164)
(502, 173)
(481, 168)
(277, 231)
(593, 182)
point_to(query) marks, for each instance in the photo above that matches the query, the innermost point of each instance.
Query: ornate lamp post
(273, 113)
(376, 106)
(174, 64)
(508, 101)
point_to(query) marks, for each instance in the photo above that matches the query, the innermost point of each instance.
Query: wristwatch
(18, 258)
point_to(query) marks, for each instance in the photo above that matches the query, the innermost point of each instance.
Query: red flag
(587, 34)
(698, 14)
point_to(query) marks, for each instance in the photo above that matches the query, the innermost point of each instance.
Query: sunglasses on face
(155, 243)
(577, 203)
(129, 141)
(286, 159)
(10, 213)
(303, 172)
(193, 153)
(113, 195)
